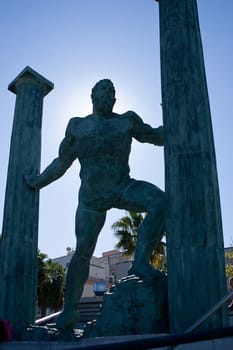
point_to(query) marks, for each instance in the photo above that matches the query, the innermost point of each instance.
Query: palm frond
(126, 229)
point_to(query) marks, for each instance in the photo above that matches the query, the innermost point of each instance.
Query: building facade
(104, 271)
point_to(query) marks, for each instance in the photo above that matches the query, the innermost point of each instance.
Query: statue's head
(103, 97)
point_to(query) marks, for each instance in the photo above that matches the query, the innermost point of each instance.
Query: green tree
(51, 284)
(41, 269)
(229, 264)
(126, 230)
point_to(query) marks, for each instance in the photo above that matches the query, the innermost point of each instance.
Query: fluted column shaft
(20, 222)
(196, 275)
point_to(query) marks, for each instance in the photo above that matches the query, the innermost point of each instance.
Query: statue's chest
(108, 136)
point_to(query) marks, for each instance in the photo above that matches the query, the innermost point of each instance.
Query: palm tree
(51, 284)
(126, 229)
(41, 270)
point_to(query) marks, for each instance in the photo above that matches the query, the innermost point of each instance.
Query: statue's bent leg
(88, 225)
(150, 234)
(142, 196)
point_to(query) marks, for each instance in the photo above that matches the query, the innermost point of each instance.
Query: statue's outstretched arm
(58, 166)
(145, 133)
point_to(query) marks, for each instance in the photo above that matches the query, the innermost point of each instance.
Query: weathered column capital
(29, 76)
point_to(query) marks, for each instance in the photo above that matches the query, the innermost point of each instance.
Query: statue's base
(133, 307)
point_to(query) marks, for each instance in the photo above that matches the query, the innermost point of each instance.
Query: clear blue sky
(74, 43)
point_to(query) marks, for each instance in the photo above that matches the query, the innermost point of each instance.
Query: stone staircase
(89, 308)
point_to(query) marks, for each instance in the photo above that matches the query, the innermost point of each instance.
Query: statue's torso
(103, 147)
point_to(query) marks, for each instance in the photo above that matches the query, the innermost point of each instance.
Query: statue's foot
(145, 271)
(67, 319)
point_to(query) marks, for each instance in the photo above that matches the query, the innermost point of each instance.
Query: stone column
(18, 273)
(196, 274)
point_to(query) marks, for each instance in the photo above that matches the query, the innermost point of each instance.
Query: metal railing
(46, 319)
(204, 317)
(153, 342)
